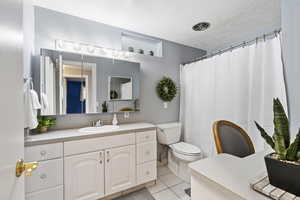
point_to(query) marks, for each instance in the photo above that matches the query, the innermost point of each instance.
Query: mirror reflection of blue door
(75, 103)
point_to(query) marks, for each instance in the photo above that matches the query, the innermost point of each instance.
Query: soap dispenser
(115, 120)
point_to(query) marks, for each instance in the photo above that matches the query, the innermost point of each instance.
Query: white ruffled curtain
(237, 86)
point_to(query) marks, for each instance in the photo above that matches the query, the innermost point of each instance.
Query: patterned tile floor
(169, 186)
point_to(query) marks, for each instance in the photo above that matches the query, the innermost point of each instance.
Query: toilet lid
(185, 148)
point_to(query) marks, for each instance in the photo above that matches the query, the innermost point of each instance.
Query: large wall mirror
(71, 83)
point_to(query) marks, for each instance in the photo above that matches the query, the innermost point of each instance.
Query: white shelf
(138, 42)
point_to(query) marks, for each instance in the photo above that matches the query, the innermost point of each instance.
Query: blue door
(74, 103)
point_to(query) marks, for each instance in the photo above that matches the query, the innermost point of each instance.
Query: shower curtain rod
(243, 44)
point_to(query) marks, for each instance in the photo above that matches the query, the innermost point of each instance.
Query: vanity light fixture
(88, 49)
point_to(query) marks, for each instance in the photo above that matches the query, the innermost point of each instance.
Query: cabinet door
(84, 176)
(120, 169)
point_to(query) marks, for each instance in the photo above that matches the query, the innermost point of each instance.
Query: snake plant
(280, 141)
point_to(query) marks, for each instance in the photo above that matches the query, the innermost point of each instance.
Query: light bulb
(76, 47)
(115, 53)
(90, 49)
(60, 44)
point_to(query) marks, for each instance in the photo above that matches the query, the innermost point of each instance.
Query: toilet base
(179, 167)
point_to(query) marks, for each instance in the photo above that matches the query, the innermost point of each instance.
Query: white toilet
(180, 154)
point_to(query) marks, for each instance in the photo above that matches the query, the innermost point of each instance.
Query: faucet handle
(98, 123)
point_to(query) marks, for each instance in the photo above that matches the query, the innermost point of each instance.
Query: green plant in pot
(45, 123)
(104, 107)
(283, 165)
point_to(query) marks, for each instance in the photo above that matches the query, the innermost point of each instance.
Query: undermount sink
(98, 129)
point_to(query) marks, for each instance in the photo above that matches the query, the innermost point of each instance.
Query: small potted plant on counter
(45, 123)
(104, 107)
(283, 165)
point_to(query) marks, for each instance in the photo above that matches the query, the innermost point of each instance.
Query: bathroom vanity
(80, 165)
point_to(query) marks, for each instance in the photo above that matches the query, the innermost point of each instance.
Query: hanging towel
(35, 100)
(31, 105)
(83, 94)
(45, 103)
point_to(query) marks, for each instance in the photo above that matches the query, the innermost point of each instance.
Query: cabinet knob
(43, 153)
(147, 172)
(108, 156)
(100, 162)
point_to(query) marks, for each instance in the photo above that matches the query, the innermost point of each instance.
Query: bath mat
(142, 194)
(188, 191)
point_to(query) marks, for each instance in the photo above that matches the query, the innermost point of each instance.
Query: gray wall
(51, 25)
(291, 51)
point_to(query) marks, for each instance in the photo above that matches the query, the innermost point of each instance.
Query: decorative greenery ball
(166, 89)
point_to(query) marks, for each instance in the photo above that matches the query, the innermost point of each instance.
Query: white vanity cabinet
(146, 148)
(47, 181)
(92, 168)
(120, 169)
(84, 176)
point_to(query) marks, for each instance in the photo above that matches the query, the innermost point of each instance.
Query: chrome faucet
(97, 123)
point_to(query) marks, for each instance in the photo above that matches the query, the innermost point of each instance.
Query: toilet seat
(186, 149)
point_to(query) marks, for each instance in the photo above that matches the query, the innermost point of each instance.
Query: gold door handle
(25, 167)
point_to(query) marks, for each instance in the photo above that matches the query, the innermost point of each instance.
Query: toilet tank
(168, 133)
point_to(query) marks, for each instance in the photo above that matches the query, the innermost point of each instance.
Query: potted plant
(104, 107)
(283, 165)
(45, 123)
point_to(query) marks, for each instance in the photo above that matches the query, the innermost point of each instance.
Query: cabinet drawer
(43, 152)
(96, 144)
(48, 174)
(146, 172)
(146, 152)
(146, 136)
(56, 193)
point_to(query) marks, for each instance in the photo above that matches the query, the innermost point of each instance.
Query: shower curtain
(238, 86)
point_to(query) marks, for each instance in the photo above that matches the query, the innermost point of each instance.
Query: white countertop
(232, 173)
(74, 134)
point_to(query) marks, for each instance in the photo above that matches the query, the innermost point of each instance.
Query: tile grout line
(174, 186)
(169, 190)
(175, 194)
(169, 187)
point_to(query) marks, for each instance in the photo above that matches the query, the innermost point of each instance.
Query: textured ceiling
(232, 21)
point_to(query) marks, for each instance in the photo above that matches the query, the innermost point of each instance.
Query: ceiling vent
(202, 26)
